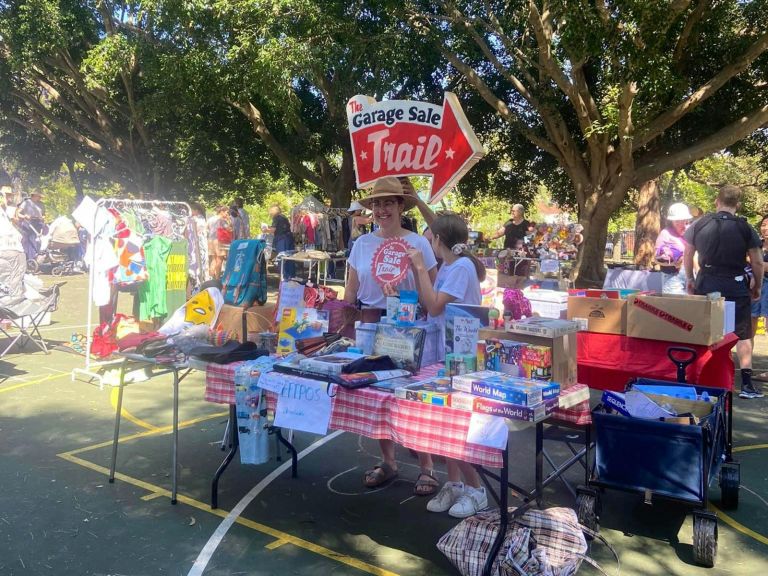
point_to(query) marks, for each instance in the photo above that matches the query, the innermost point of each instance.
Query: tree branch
(671, 116)
(654, 167)
(690, 24)
(262, 131)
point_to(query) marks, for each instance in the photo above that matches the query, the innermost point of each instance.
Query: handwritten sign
(487, 430)
(409, 138)
(390, 262)
(303, 405)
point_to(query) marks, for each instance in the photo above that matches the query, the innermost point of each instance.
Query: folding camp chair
(26, 316)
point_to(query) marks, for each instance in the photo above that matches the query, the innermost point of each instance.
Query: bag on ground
(540, 543)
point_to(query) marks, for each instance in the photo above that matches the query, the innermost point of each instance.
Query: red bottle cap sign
(390, 262)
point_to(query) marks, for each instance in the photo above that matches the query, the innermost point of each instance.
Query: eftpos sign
(408, 138)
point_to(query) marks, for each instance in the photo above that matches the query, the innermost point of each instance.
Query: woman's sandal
(379, 475)
(426, 485)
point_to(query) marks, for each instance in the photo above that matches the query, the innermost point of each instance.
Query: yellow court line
(160, 430)
(751, 447)
(31, 382)
(736, 525)
(127, 415)
(279, 535)
(732, 522)
(275, 544)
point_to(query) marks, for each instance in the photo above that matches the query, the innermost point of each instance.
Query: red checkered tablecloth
(438, 430)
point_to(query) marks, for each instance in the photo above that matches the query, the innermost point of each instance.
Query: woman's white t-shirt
(459, 280)
(361, 259)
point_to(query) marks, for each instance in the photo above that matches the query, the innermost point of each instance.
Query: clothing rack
(180, 212)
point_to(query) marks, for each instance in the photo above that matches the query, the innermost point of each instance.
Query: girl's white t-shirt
(361, 259)
(459, 280)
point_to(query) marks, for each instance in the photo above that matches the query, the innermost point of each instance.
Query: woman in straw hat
(388, 200)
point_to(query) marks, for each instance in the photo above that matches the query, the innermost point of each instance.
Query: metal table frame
(179, 370)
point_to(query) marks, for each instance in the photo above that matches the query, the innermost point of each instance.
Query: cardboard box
(563, 351)
(258, 319)
(604, 315)
(684, 319)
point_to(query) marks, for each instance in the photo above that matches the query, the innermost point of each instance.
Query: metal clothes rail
(179, 210)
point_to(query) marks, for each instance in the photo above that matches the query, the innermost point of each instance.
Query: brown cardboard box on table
(684, 319)
(563, 351)
(605, 315)
(258, 319)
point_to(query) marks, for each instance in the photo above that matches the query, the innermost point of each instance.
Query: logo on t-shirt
(390, 262)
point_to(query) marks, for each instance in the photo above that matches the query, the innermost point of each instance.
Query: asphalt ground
(59, 515)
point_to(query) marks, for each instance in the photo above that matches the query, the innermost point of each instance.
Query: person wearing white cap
(670, 247)
(358, 222)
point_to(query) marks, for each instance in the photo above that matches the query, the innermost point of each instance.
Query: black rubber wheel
(587, 511)
(58, 270)
(704, 541)
(33, 267)
(730, 478)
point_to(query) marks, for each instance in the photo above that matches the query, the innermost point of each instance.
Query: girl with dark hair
(760, 307)
(458, 280)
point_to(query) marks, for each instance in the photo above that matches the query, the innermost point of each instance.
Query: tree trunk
(76, 180)
(647, 223)
(590, 269)
(339, 189)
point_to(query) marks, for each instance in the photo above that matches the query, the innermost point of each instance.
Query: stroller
(56, 258)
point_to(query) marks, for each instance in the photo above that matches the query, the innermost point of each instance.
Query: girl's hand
(389, 290)
(417, 259)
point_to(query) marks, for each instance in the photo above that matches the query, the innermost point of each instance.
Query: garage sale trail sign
(410, 138)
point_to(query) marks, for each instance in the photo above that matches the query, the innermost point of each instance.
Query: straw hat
(388, 187)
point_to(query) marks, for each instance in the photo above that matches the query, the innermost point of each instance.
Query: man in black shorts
(514, 231)
(724, 242)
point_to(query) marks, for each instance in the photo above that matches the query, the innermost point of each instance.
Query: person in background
(283, 238)
(10, 206)
(514, 231)
(30, 215)
(212, 224)
(244, 217)
(238, 232)
(13, 262)
(223, 238)
(387, 201)
(358, 222)
(198, 267)
(458, 280)
(670, 247)
(760, 307)
(723, 241)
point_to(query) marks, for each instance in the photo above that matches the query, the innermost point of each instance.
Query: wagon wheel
(58, 270)
(587, 510)
(32, 266)
(704, 540)
(730, 478)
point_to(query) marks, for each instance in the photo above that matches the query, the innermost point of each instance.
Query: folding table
(154, 367)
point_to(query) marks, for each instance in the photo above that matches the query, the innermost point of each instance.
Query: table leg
(503, 512)
(120, 385)
(292, 450)
(175, 449)
(234, 442)
(539, 462)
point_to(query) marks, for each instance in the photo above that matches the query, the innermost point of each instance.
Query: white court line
(213, 542)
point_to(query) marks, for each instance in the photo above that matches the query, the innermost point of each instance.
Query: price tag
(487, 430)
